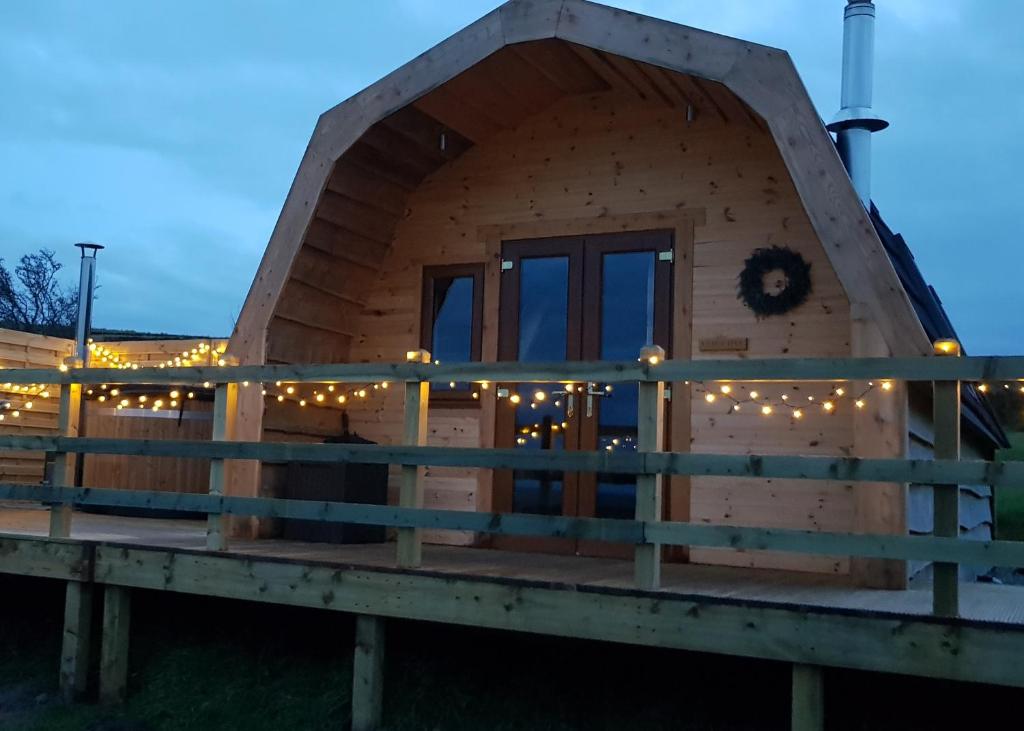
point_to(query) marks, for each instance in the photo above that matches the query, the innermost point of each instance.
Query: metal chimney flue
(856, 120)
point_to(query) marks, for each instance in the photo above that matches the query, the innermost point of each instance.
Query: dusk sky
(170, 132)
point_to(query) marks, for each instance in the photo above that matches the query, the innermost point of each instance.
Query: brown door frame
(597, 247)
(583, 334)
(514, 251)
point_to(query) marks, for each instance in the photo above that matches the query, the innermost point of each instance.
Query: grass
(213, 664)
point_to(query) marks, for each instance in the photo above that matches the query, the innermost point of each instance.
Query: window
(452, 319)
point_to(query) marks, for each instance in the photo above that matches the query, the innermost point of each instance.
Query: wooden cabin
(562, 180)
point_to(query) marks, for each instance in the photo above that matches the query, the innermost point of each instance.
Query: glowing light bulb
(539, 396)
(280, 398)
(290, 390)
(174, 394)
(859, 403)
(840, 391)
(320, 397)
(798, 414)
(766, 410)
(341, 399)
(726, 389)
(754, 394)
(515, 398)
(828, 406)
(886, 385)
(709, 397)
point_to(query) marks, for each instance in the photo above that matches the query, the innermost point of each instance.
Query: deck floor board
(979, 601)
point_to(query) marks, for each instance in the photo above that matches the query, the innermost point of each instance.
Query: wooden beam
(63, 463)
(345, 244)
(564, 68)
(650, 437)
(880, 429)
(976, 368)
(114, 644)
(414, 433)
(426, 132)
(975, 651)
(1008, 475)
(77, 640)
(921, 548)
(45, 558)
(808, 707)
(946, 497)
(224, 406)
(368, 674)
(357, 183)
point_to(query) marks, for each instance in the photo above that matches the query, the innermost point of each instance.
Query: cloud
(172, 131)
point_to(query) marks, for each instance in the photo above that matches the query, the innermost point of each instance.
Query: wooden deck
(979, 601)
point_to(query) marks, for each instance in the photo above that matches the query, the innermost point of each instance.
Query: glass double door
(579, 298)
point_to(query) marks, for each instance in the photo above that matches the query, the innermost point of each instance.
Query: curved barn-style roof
(367, 154)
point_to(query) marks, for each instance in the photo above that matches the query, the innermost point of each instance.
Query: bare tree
(33, 299)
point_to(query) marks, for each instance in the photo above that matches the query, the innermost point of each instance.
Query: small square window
(451, 321)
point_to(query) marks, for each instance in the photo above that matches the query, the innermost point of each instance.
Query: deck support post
(946, 498)
(64, 463)
(223, 407)
(114, 644)
(414, 433)
(77, 640)
(808, 706)
(368, 674)
(650, 436)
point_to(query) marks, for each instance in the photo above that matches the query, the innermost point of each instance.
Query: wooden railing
(646, 532)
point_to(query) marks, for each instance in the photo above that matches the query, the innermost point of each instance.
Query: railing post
(368, 674)
(77, 640)
(807, 708)
(650, 430)
(114, 643)
(414, 433)
(64, 463)
(223, 406)
(946, 498)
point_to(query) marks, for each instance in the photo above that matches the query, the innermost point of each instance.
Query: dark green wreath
(751, 281)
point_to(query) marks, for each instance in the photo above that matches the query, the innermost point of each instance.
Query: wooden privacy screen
(25, 350)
